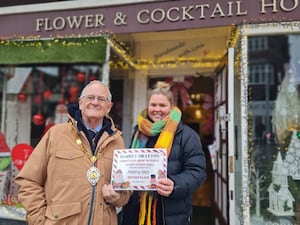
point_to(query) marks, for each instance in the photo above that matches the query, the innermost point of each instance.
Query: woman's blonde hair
(164, 88)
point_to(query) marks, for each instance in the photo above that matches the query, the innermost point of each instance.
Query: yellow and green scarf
(166, 129)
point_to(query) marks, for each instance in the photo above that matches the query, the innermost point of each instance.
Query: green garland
(59, 50)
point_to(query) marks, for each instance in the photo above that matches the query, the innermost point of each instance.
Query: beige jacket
(53, 185)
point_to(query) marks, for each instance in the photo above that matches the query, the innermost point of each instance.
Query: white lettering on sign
(161, 15)
(283, 5)
(73, 22)
(185, 13)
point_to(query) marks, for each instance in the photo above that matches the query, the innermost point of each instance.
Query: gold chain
(78, 141)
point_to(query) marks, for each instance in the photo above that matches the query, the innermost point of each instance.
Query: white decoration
(292, 158)
(280, 198)
(287, 107)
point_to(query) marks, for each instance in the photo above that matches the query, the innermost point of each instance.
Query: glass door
(223, 148)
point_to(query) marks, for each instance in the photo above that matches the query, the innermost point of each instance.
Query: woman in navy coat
(160, 126)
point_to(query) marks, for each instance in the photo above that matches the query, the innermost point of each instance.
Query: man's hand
(109, 194)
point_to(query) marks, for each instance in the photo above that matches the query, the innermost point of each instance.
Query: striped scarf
(166, 129)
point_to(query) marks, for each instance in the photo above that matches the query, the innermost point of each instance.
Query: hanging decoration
(22, 97)
(179, 88)
(38, 118)
(73, 93)
(21, 87)
(80, 77)
(61, 108)
(37, 99)
(92, 77)
(47, 94)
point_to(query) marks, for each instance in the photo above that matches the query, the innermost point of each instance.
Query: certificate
(138, 168)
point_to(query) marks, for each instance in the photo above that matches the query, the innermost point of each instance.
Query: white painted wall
(139, 93)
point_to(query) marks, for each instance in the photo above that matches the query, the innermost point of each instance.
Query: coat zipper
(93, 190)
(91, 205)
(94, 186)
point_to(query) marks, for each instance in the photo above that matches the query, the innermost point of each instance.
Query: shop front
(234, 70)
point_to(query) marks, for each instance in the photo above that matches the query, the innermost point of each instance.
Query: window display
(274, 145)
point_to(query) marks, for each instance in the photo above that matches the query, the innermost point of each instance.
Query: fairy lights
(56, 50)
(121, 59)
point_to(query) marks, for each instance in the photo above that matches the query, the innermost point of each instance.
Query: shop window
(1, 94)
(274, 125)
(258, 44)
(261, 74)
(53, 88)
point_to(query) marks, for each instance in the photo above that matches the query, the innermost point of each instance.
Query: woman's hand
(165, 186)
(109, 194)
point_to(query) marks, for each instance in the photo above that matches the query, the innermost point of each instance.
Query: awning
(57, 50)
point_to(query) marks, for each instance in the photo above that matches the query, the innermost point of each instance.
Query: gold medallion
(93, 175)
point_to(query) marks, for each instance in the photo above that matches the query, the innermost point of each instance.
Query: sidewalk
(11, 222)
(12, 216)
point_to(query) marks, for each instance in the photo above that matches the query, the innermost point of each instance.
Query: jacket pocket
(68, 155)
(70, 158)
(63, 214)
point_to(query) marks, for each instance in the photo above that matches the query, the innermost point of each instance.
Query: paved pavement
(11, 222)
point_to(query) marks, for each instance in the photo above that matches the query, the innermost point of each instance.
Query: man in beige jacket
(66, 180)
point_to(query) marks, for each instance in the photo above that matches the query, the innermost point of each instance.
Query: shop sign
(142, 17)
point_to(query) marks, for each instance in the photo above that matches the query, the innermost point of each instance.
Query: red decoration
(20, 153)
(73, 90)
(208, 102)
(38, 99)
(47, 94)
(179, 87)
(92, 77)
(22, 97)
(38, 119)
(73, 99)
(81, 77)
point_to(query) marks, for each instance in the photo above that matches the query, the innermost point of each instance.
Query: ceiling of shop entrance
(198, 49)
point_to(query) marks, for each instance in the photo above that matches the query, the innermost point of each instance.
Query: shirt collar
(97, 129)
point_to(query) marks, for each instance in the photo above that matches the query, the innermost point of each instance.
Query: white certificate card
(138, 168)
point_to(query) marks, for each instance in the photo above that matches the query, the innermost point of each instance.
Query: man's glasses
(91, 98)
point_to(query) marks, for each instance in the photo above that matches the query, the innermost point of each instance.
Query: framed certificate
(138, 168)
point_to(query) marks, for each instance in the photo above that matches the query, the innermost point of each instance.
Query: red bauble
(22, 97)
(38, 119)
(73, 99)
(92, 77)
(73, 91)
(38, 99)
(47, 94)
(81, 77)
